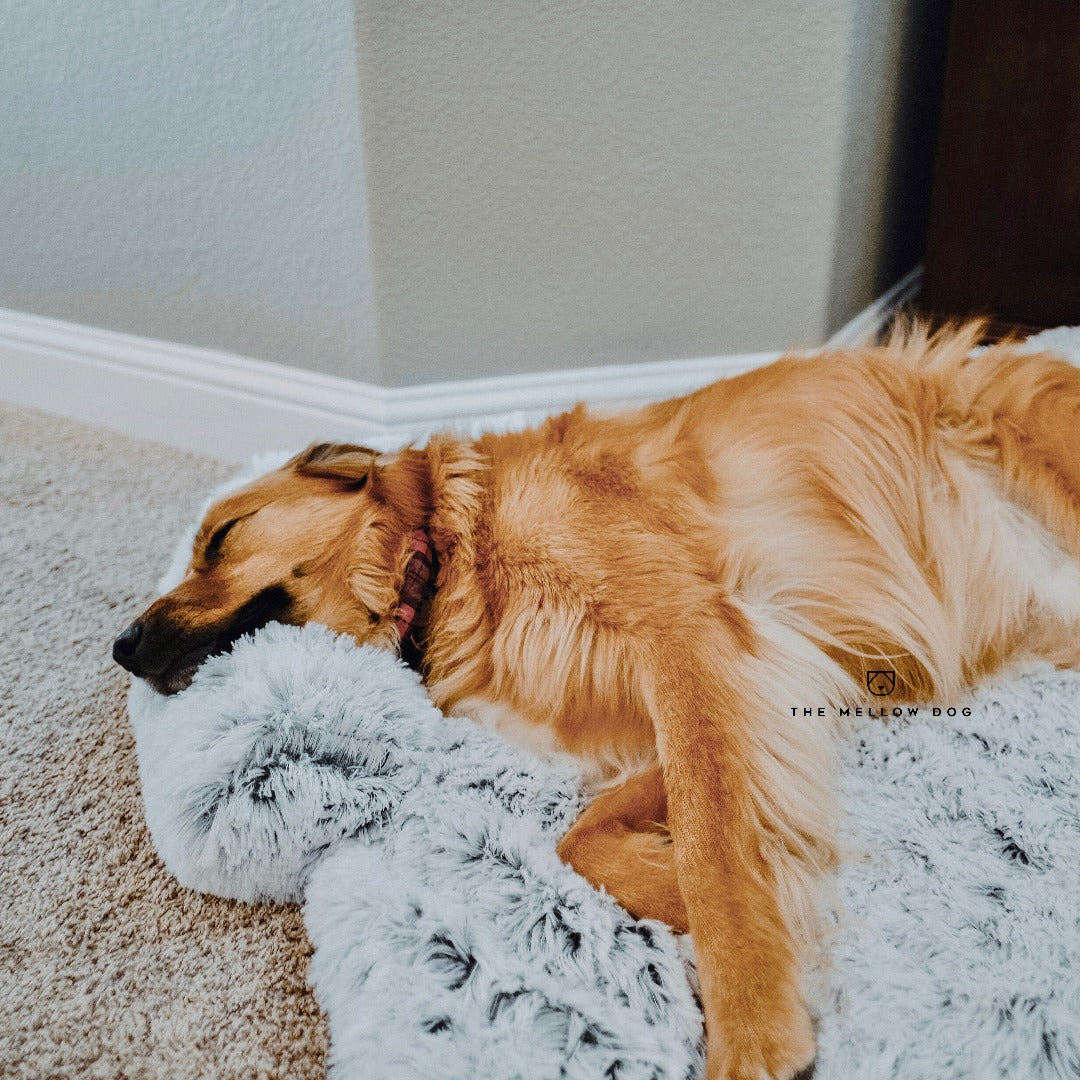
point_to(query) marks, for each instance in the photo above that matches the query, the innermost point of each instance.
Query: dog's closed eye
(213, 548)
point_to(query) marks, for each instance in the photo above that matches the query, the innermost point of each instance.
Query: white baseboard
(231, 406)
(869, 323)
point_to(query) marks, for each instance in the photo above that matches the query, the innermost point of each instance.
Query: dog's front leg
(620, 842)
(749, 814)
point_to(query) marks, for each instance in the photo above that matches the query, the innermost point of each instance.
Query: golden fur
(655, 592)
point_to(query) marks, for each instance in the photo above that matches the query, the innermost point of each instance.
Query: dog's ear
(351, 465)
(401, 479)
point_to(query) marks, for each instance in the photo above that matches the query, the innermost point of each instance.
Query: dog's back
(906, 504)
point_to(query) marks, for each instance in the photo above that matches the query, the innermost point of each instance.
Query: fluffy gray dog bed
(451, 942)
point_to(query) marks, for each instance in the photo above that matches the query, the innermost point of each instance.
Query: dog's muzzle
(167, 656)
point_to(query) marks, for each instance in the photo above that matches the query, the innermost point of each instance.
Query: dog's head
(323, 539)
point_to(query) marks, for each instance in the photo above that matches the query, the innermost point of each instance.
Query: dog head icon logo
(881, 683)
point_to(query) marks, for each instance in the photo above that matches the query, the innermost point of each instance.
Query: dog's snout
(126, 647)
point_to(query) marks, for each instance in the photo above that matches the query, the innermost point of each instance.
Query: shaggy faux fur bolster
(450, 940)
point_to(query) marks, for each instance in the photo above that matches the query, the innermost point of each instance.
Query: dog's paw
(782, 1048)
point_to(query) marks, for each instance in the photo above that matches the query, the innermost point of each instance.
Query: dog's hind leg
(1023, 413)
(1024, 418)
(622, 843)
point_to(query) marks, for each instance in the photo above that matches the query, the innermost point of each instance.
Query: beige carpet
(108, 968)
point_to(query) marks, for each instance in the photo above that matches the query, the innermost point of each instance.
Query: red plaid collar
(417, 588)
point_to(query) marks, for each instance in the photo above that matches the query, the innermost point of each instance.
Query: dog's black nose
(126, 647)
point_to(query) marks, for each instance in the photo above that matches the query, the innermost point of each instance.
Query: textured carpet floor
(107, 966)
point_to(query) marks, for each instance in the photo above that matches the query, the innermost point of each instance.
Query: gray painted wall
(191, 171)
(407, 191)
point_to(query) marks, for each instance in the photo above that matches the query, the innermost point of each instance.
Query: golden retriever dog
(688, 597)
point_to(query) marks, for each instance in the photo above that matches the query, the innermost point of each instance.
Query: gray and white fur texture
(449, 939)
